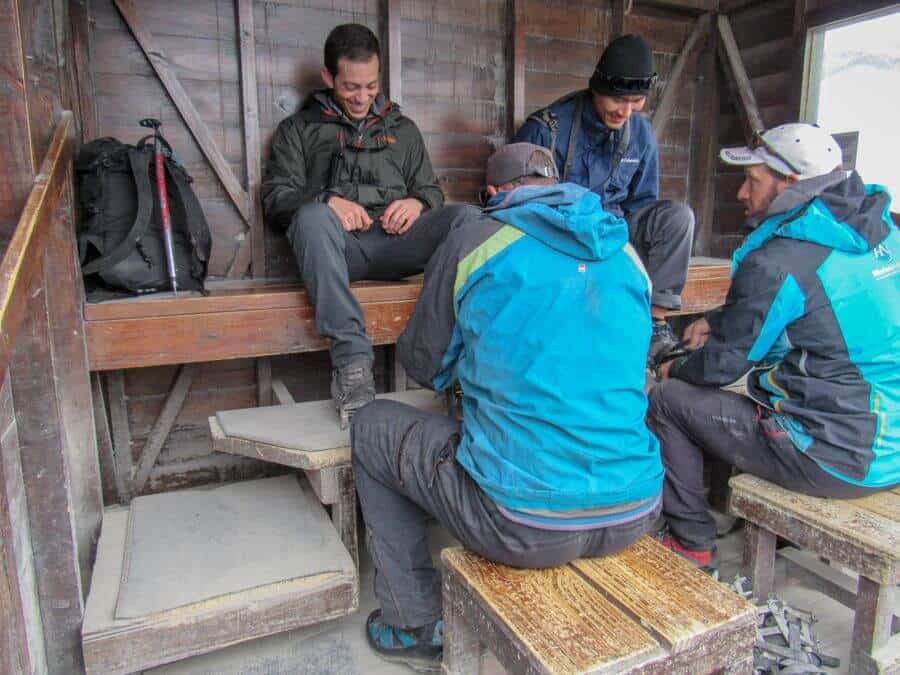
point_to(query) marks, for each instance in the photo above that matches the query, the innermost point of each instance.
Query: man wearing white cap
(810, 328)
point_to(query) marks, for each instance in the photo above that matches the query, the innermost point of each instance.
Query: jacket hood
(321, 105)
(565, 216)
(837, 211)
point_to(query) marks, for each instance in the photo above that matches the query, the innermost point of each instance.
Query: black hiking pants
(405, 468)
(663, 234)
(330, 258)
(691, 422)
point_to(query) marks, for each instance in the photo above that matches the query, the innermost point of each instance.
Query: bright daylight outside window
(853, 84)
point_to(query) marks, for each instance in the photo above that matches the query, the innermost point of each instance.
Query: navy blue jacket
(813, 314)
(635, 183)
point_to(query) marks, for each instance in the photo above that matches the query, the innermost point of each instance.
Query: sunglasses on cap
(757, 141)
(638, 85)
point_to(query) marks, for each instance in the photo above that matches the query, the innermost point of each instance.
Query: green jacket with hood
(319, 151)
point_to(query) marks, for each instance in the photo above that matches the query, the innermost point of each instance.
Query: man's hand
(352, 215)
(696, 335)
(662, 373)
(400, 215)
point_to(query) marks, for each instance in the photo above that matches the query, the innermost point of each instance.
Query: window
(853, 85)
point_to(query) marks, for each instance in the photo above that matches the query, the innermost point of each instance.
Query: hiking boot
(662, 341)
(418, 648)
(705, 560)
(351, 388)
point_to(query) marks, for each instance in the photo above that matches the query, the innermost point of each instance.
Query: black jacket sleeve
(761, 302)
(421, 181)
(423, 347)
(285, 188)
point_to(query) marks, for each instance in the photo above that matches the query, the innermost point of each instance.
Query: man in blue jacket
(812, 322)
(553, 460)
(599, 142)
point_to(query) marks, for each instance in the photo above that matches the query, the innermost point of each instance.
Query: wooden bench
(863, 535)
(642, 610)
(242, 319)
(308, 437)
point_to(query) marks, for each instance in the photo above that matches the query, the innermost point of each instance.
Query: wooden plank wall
(454, 79)
(764, 34)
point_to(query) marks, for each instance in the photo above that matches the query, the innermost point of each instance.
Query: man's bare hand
(662, 373)
(352, 215)
(696, 335)
(400, 215)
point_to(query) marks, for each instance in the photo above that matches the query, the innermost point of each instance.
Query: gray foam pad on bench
(311, 426)
(193, 545)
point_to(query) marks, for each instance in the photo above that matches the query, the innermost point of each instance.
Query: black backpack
(120, 241)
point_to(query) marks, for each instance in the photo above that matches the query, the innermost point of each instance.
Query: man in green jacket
(350, 181)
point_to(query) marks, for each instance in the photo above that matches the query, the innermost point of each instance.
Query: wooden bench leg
(462, 649)
(872, 623)
(759, 559)
(343, 511)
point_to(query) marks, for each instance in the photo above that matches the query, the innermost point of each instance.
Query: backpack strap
(140, 170)
(198, 229)
(573, 137)
(619, 153)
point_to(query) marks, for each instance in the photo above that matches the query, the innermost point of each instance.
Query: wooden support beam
(705, 144)
(253, 163)
(391, 69)
(515, 66)
(162, 66)
(21, 634)
(104, 442)
(84, 78)
(685, 6)
(163, 425)
(22, 261)
(121, 433)
(798, 42)
(731, 6)
(619, 11)
(737, 76)
(282, 394)
(252, 143)
(666, 107)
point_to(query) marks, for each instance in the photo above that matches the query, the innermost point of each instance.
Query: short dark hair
(351, 41)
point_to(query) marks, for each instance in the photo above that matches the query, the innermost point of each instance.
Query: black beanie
(626, 58)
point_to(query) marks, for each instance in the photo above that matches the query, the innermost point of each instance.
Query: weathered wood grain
(847, 532)
(121, 434)
(731, 56)
(174, 88)
(23, 258)
(515, 65)
(668, 596)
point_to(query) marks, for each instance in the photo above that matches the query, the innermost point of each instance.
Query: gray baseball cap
(517, 160)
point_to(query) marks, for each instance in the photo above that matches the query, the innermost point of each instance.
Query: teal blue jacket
(541, 310)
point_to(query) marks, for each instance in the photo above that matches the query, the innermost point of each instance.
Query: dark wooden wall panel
(764, 35)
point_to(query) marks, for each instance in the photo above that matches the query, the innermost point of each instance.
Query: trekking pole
(166, 216)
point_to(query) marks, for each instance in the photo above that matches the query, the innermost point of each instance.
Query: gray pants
(330, 258)
(663, 233)
(692, 421)
(405, 468)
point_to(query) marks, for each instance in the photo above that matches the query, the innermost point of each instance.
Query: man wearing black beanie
(599, 143)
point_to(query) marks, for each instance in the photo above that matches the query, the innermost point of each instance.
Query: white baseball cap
(802, 150)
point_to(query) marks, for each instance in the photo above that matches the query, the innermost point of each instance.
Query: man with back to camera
(350, 180)
(812, 319)
(552, 461)
(599, 142)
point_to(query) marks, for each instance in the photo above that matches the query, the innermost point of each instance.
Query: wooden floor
(339, 647)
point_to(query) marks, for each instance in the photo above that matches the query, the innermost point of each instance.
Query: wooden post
(798, 43)
(737, 75)
(462, 649)
(21, 635)
(515, 66)
(759, 559)
(391, 67)
(705, 144)
(121, 433)
(163, 425)
(871, 624)
(666, 106)
(619, 11)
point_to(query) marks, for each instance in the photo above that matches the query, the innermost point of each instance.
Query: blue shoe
(418, 648)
